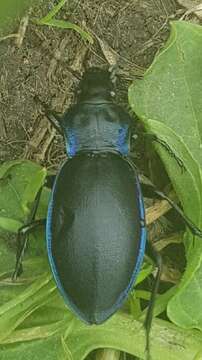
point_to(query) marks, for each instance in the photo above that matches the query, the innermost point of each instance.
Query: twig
(56, 57)
(155, 211)
(175, 238)
(22, 30)
(19, 36)
(8, 37)
(46, 144)
(36, 140)
(197, 10)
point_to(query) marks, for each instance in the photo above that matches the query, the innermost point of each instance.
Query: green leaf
(168, 101)
(19, 183)
(146, 270)
(74, 340)
(53, 11)
(32, 188)
(123, 333)
(46, 349)
(14, 312)
(9, 224)
(7, 258)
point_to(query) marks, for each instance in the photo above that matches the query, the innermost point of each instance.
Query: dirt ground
(50, 60)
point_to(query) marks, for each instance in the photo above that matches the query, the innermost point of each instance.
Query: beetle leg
(35, 206)
(49, 182)
(54, 119)
(150, 191)
(52, 116)
(22, 236)
(156, 256)
(25, 230)
(153, 137)
(22, 240)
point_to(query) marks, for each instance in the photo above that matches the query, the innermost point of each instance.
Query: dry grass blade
(22, 30)
(193, 7)
(175, 238)
(58, 54)
(41, 156)
(157, 210)
(9, 36)
(110, 55)
(19, 36)
(33, 145)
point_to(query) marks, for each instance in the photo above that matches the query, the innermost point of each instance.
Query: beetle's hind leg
(150, 191)
(156, 257)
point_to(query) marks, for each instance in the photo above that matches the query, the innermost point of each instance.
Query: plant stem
(107, 354)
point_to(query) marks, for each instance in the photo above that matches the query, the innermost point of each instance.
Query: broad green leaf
(123, 333)
(10, 224)
(19, 184)
(43, 204)
(168, 101)
(14, 312)
(161, 302)
(32, 189)
(46, 349)
(75, 340)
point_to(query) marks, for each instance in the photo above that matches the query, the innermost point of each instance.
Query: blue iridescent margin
(71, 142)
(122, 144)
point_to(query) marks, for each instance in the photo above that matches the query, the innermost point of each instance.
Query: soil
(50, 60)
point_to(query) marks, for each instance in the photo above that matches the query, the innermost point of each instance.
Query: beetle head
(96, 84)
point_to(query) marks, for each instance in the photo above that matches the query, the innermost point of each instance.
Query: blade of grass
(48, 20)
(53, 12)
(62, 24)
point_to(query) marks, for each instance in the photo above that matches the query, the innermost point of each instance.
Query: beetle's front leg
(53, 117)
(22, 239)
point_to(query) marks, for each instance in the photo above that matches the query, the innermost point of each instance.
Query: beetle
(95, 228)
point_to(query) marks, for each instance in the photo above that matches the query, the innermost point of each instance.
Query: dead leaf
(110, 55)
